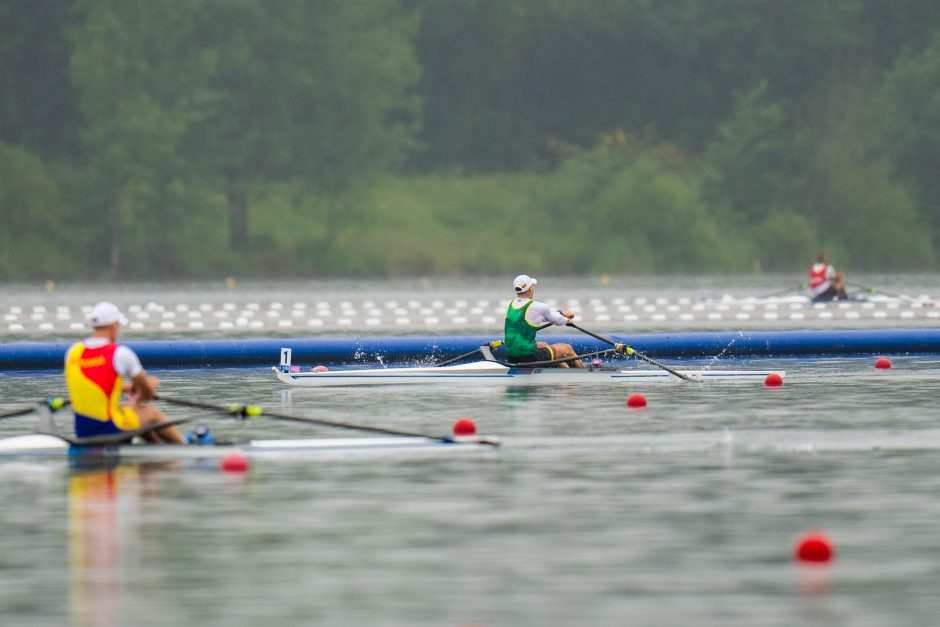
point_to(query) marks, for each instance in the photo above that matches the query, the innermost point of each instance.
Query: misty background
(382, 138)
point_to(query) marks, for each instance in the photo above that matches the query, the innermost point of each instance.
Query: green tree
(322, 92)
(617, 209)
(507, 82)
(231, 95)
(141, 72)
(756, 162)
(40, 236)
(37, 101)
(910, 96)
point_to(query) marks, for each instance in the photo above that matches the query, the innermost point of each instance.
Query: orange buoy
(883, 364)
(234, 462)
(465, 426)
(814, 546)
(773, 380)
(636, 401)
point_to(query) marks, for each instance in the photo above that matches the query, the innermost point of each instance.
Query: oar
(54, 403)
(872, 290)
(246, 411)
(456, 359)
(631, 351)
(798, 288)
(17, 412)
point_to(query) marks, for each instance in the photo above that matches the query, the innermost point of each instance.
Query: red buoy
(814, 546)
(773, 380)
(234, 462)
(883, 364)
(465, 426)
(636, 401)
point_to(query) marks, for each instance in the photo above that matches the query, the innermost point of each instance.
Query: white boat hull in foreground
(50, 446)
(481, 372)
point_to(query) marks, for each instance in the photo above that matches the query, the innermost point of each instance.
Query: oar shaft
(17, 412)
(54, 403)
(797, 288)
(872, 290)
(637, 353)
(244, 411)
(457, 358)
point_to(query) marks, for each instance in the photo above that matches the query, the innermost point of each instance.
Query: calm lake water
(590, 514)
(685, 513)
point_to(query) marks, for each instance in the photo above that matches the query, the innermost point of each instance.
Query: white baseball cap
(104, 314)
(522, 283)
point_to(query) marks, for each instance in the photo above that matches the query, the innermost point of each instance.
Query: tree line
(157, 138)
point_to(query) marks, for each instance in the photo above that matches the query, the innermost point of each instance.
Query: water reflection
(105, 519)
(521, 393)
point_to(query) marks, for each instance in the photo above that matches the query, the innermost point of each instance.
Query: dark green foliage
(162, 138)
(33, 211)
(37, 101)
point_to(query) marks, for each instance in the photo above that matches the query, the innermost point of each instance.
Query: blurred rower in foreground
(524, 316)
(95, 371)
(825, 283)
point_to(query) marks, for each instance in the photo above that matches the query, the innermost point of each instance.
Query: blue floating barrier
(257, 352)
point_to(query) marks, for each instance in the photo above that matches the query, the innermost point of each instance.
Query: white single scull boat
(482, 372)
(41, 445)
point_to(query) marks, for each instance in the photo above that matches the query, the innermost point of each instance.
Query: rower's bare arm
(145, 386)
(132, 387)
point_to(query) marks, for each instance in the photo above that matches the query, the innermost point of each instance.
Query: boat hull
(481, 373)
(50, 446)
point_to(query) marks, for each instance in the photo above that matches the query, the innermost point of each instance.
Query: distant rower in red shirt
(825, 283)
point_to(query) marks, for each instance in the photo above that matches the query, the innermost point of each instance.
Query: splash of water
(714, 360)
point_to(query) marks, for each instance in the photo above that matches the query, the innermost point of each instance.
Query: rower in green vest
(524, 316)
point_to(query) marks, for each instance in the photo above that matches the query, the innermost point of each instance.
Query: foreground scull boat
(481, 372)
(41, 445)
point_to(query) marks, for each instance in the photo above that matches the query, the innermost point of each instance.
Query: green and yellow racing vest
(519, 334)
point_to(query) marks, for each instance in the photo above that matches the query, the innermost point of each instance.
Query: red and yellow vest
(95, 387)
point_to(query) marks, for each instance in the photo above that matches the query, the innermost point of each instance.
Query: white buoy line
(429, 315)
